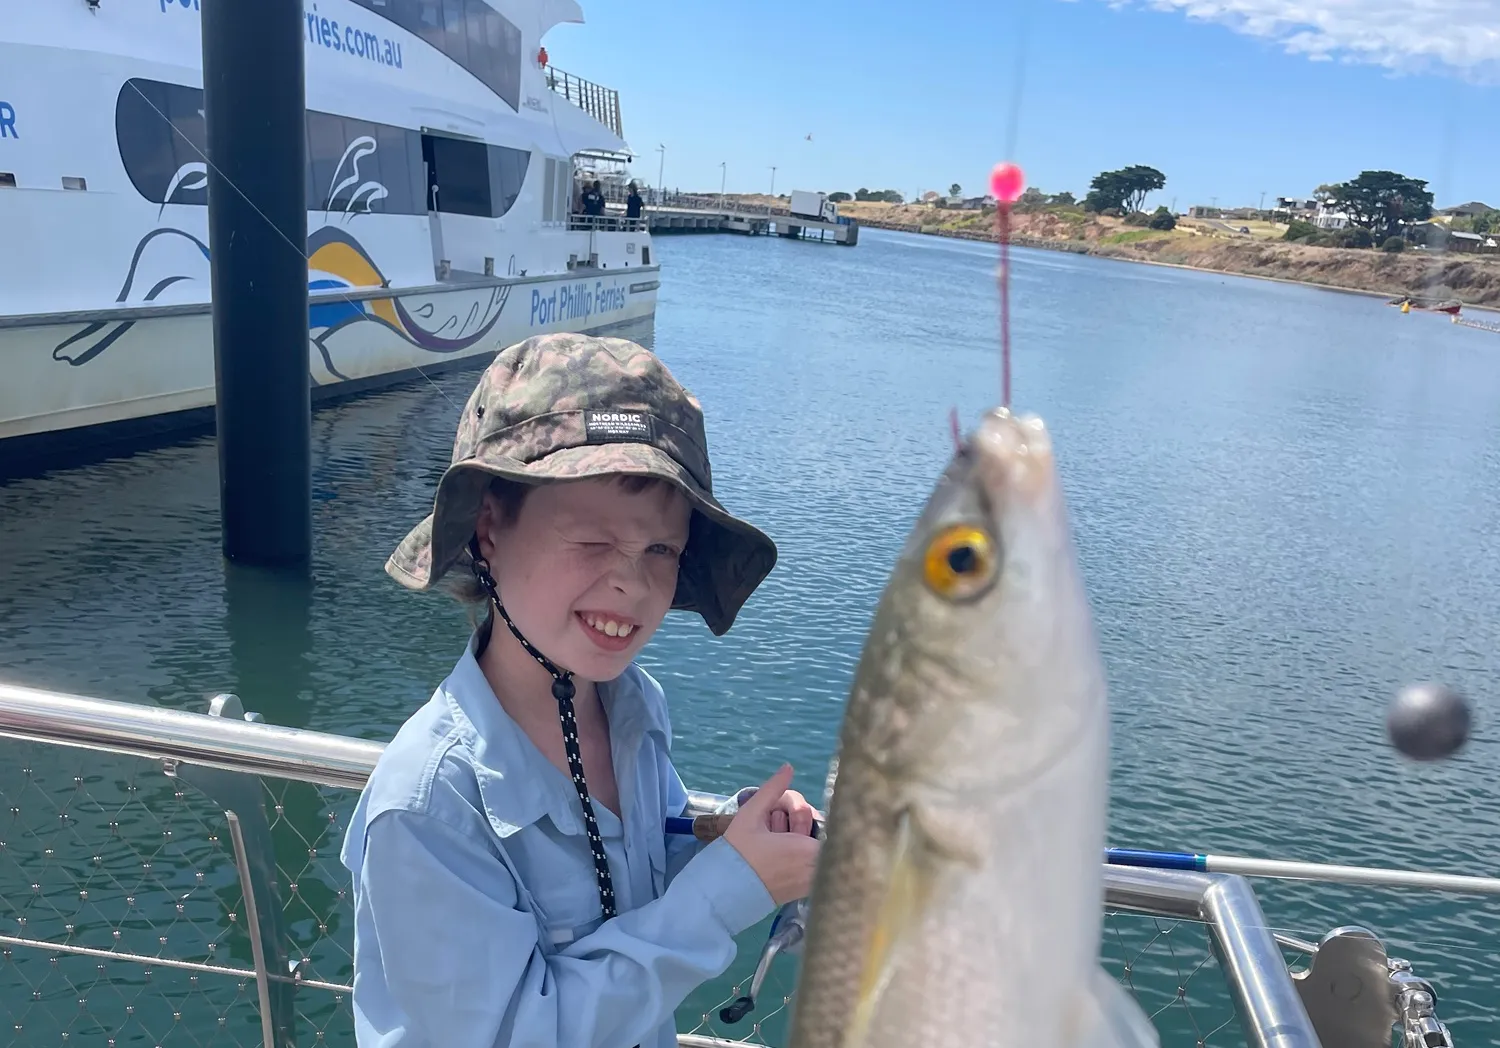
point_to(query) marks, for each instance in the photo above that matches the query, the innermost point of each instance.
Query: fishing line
(1018, 87)
(1006, 185)
(301, 250)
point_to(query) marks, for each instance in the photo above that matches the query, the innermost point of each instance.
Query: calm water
(1285, 503)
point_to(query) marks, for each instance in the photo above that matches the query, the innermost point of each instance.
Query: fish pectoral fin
(1107, 1016)
(908, 886)
(948, 833)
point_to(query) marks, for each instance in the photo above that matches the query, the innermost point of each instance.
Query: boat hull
(81, 380)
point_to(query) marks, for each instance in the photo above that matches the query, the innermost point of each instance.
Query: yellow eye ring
(960, 562)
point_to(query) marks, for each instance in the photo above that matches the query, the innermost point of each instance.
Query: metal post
(257, 233)
(773, 181)
(252, 919)
(661, 173)
(1269, 1007)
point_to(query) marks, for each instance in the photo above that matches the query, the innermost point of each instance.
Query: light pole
(661, 184)
(773, 181)
(723, 180)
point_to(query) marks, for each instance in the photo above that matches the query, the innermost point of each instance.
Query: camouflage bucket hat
(566, 407)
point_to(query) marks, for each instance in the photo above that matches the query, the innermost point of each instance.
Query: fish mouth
(1012, 451)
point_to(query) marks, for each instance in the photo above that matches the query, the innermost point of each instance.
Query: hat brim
(724, 562)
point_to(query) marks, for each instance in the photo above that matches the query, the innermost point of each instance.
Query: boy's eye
(663, 549)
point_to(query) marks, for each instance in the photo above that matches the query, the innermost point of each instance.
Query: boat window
(461, 170)
(325, 149)
(74, 182)
(507, 174)
(401, 170)
(7, 180)
(473, 178)
(564, 203)
(361, 165)
(428, 20)
(455, 32)
(469, 32)
(357, 166)
(556, 188)
(163, 142)
(549, 191)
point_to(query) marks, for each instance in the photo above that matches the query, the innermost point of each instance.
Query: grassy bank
(1472, 279)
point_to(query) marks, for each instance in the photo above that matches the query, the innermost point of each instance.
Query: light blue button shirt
(476, 912)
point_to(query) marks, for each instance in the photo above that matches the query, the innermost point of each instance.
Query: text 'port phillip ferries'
(444, 163)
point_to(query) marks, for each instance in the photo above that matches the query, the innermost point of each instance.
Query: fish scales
(959, 892)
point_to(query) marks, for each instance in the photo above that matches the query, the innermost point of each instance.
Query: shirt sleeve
(459, 963)
(680, 846)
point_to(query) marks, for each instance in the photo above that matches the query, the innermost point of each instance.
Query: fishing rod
(1287, 869)
(709, 827)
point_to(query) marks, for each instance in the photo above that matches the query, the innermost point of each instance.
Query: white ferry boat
(442, 149)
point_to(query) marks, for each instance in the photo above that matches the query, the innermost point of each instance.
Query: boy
(513, 884)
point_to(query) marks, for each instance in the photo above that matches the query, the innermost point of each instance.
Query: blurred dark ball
(1428, 722)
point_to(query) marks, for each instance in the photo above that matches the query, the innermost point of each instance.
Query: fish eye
(960, 562)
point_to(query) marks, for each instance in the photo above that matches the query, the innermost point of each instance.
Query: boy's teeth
(609, 627)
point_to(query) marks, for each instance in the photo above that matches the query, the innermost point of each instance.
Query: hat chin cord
(563, 691)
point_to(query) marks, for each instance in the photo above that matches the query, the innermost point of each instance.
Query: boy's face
(587, 569)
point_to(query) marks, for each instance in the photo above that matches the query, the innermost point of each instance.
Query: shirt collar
(517, 785)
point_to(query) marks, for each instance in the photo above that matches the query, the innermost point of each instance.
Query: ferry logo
(173, 264)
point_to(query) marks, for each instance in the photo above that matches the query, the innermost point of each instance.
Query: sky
(1228, 98)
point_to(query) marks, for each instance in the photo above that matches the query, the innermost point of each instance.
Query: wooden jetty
(709, 215)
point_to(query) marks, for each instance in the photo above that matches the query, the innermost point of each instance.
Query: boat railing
(601, 103)
(170, 877)
(609, 222)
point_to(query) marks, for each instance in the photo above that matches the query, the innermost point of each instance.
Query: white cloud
(1460, 36)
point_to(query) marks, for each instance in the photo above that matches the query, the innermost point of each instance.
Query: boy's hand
(792, 814)
(784, 861)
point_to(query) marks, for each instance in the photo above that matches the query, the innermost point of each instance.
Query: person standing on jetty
(513, 882)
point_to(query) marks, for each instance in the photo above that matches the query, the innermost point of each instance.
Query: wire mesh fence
(123, 918)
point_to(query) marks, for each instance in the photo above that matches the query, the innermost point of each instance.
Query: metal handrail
(1264, 992)
(1270, 1009)
(609, 222)
(600, 102)
(177, 735)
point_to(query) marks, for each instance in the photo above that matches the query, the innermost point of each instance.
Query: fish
(958, 897)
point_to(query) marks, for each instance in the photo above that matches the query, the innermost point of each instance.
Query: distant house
(1199, 211)
(1328, 218)
(1464, 241)
(1437, 235)
(1469, 210)
(932, 196)
(1433, 234)
(1290, 208)
(978, 203)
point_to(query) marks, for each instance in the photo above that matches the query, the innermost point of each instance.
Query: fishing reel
(787, 932)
